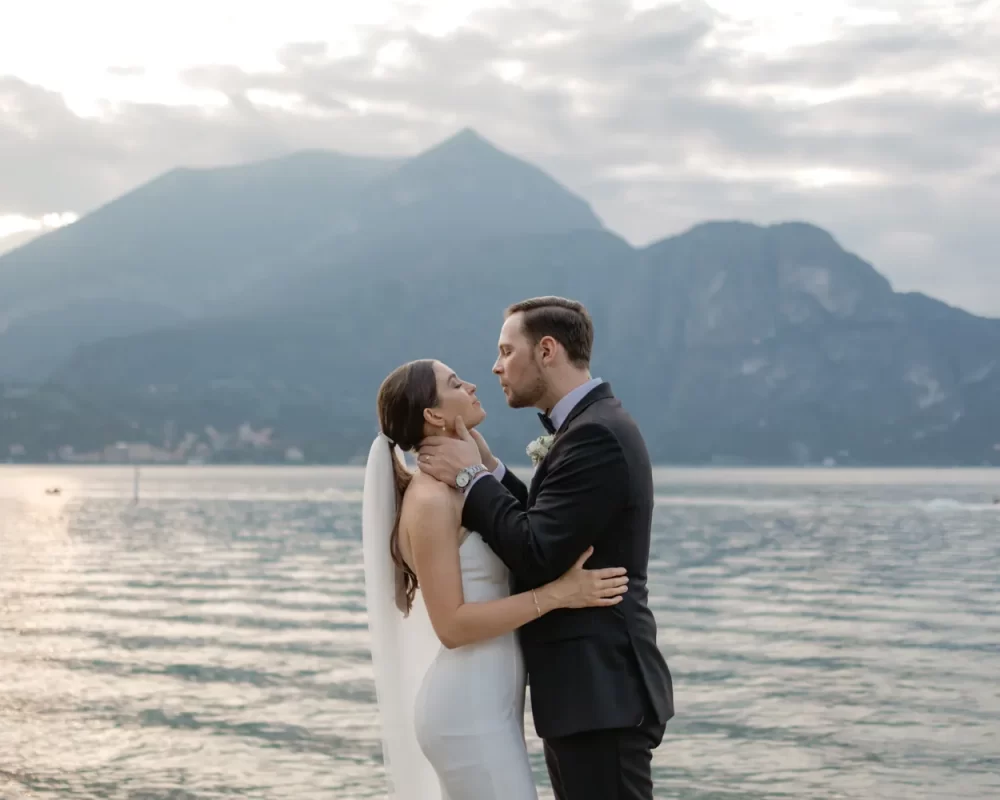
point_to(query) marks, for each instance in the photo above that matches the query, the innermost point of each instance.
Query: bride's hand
(586, 588)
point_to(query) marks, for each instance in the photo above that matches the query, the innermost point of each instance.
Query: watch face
(462, 479)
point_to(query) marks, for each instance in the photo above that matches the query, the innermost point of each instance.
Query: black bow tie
(547, 422)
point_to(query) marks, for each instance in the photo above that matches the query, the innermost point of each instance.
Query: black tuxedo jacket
(595, 668)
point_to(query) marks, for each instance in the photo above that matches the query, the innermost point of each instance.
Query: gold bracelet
(537, 607)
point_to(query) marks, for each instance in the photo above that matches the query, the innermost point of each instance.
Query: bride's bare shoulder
(427, 497)
(425, 486)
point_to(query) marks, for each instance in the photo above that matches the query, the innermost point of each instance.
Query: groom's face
(517, 366)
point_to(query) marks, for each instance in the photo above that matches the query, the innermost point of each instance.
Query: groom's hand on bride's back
(443, 457)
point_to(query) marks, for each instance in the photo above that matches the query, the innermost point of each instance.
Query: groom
(601, 693)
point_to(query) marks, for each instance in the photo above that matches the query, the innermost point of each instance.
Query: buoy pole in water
(135, 484)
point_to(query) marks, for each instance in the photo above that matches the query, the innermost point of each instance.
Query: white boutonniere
(537, 449)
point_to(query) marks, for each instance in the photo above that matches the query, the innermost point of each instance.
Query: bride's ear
(434, 418)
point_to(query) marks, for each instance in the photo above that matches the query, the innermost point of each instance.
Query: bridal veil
(402, 647)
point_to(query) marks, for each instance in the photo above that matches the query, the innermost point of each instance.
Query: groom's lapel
(600, 392)
(536, 478)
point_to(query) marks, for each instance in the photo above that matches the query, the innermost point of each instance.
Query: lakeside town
(243, 445)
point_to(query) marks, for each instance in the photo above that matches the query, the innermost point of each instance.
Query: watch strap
(472, 472)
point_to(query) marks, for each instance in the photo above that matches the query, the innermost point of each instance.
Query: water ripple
(832, 634)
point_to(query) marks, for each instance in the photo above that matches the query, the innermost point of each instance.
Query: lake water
(832, 634)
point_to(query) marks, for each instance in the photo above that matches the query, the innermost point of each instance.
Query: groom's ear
(547, 349)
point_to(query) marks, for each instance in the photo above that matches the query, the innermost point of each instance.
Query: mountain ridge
(794, 394)
(220, 231)
(730, 341)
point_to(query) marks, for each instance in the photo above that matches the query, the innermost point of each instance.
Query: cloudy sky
(878, 120)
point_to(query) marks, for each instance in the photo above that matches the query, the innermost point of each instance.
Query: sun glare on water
(48, 488)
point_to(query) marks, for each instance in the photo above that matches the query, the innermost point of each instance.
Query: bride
(448, 668)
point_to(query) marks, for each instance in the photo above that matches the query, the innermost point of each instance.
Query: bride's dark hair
(402, 398)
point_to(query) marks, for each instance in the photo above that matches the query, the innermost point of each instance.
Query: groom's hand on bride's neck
(443, 457)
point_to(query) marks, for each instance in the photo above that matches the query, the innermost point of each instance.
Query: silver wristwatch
(465, 475)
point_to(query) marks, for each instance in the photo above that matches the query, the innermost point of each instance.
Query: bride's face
(456, 398)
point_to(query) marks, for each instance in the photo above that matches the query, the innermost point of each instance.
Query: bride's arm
(433, 523)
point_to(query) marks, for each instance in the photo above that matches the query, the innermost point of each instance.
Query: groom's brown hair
(566, 321)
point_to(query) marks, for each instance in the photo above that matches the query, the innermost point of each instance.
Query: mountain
(730, 343)
(165, 252)
(460, 192)
(310, 367)
(464, 188)
(38, 422)
(199, 244)
(14, 240)
(780, 346)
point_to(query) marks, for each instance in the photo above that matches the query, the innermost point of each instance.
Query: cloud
(127, 72)
(882, 132)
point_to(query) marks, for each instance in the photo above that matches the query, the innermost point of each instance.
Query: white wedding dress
(469, 715)
(452, 721)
